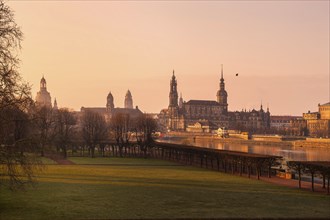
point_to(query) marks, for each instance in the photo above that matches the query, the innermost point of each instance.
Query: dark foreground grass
(139, 188)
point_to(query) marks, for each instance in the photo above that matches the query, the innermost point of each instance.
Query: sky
(85, 49)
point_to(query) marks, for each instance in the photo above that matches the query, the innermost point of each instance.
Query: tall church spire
(222, 94)
(173, 92)
(221, 71)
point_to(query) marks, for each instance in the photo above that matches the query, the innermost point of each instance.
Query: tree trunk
(64, 152)
(93, 151)
(328, 184)
(299, 176)
(312, 181)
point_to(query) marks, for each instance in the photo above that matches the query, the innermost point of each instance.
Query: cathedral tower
(110, 106)
(43, 96)
(128, 100)
(222, 94)
(173, 108)
(173, 92)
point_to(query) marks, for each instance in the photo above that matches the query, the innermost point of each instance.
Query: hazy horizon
(87, 49)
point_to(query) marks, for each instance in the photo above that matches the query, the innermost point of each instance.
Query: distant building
(201, 127)
(196, 115)
(109, 110)
(318, 123)
(281, 122)
(223, 132)
(43, 96)
(298, 127)
(128, 100)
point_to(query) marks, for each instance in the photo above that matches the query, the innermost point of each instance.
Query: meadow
(127, 188)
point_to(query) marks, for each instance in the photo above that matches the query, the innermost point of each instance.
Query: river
(287, 152)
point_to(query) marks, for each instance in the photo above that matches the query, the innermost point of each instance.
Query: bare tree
(18, 164)
(44, 123)
(121, 129)
(94, 130)
(64, 129)
(144, 128)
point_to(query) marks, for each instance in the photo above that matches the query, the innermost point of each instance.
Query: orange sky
(86, 49)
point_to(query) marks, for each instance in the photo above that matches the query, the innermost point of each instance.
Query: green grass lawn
(141, 188)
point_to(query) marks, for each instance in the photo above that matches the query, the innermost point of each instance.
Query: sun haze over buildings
(279, 48)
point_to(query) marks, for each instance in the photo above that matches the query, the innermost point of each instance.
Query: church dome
(43, 80)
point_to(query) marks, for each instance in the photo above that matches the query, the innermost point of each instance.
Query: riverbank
(273, 140)
(248, 142)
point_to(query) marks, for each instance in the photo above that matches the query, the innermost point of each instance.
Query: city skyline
(279, 49)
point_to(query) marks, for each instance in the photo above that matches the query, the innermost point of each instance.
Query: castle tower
(173, 92)
(222, 94)
(128, 100)
(43, 96)
(110, 106)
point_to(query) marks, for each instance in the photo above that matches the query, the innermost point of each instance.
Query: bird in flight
(236, 74)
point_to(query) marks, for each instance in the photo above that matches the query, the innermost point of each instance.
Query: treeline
(49, 130)
(60, 130)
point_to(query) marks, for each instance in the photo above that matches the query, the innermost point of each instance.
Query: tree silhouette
(16, 149)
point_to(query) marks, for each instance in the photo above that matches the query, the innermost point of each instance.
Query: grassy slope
(139, 188)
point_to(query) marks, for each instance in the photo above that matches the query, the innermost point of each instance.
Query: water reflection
(287, 152)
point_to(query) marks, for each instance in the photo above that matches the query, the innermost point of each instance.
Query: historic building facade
(185, 116)
(318, 123)
(110, 110)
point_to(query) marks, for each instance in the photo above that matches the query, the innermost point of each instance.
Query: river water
(287, 152)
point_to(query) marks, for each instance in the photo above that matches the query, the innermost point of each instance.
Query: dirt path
(59, 159)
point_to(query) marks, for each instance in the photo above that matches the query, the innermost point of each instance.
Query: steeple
(55, 105)
(128, 100)
(222, 72)
(222, 94)
(222, 81)
(261, 109)
(173, 92)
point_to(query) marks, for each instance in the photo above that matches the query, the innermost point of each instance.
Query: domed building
(43, 97)
(110, 110)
